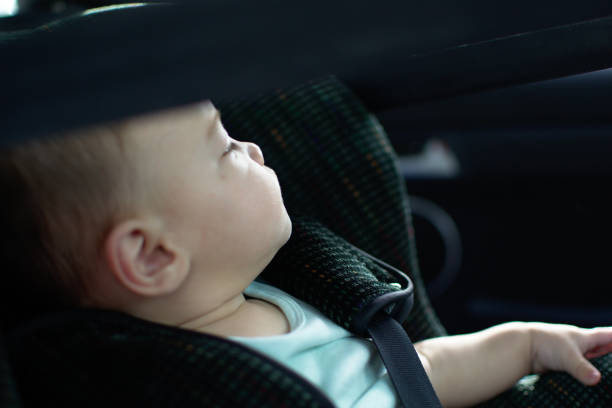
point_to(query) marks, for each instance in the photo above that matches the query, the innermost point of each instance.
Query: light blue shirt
(345, 367)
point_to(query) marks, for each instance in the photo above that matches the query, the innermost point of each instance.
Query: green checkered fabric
(556, 389)
(89, 358)
(324, 271)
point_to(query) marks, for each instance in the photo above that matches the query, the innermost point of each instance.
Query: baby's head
(159, 215)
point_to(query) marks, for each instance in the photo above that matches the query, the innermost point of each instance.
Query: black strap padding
(397, 304)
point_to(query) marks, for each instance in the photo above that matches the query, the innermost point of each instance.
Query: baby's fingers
(597, 342)
(599, 351)
(582, 370)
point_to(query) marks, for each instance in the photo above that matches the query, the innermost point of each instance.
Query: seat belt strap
(403, 364)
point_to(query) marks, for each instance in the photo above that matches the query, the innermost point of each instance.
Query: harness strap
(402, 362)
(381, 321)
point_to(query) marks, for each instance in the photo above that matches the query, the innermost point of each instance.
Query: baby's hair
(61, 195)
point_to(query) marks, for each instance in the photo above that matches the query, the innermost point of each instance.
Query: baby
(180, 219)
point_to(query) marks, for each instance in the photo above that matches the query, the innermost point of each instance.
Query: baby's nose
(255, 153)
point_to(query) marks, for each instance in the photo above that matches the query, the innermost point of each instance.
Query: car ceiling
(391, 54)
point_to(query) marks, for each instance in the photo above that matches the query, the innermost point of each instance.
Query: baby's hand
(567, 348)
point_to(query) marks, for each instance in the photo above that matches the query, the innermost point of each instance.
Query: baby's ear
(144, 259)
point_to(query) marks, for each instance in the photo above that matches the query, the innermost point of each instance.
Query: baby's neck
(241, 317)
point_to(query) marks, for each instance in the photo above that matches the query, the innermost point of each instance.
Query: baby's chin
(288, 229)
(283, 239)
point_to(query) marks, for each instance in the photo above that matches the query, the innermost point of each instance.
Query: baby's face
(215, 194)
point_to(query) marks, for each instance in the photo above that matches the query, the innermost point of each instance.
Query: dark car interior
(529, 193)
(510, 173)
(499, 113)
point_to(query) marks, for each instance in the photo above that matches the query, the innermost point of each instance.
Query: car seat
(339, 179)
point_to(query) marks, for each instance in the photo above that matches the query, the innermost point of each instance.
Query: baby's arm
(472, 368)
